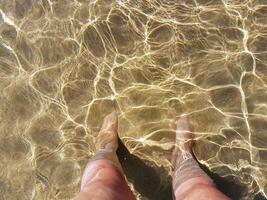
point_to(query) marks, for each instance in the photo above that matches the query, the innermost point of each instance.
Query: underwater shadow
(153, 183)
(229, 188)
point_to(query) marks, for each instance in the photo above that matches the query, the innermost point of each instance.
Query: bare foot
(108, 136)
(184, 139)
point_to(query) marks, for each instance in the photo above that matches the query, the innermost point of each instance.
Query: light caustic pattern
(65, 64)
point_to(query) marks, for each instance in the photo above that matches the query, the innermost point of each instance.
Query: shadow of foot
(153, 183)
(230, 188)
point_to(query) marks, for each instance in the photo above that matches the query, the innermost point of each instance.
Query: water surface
(65, 64)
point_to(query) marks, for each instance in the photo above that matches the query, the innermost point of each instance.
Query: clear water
(65, 64)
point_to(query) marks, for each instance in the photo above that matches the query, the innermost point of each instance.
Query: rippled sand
(65, 64)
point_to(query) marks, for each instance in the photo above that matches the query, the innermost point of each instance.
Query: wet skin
(103, 177)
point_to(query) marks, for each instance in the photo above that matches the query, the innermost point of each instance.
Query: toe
(183, 124)
(110, 122)
(184, 134)
(108, 135)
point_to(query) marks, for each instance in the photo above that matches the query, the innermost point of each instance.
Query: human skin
(105, 182)
(190, 182)
(103, 178)
(200, 189)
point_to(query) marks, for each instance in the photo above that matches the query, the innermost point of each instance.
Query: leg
(103, 177)
(189, 180)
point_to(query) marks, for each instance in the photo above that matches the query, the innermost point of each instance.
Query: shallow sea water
(65, 64)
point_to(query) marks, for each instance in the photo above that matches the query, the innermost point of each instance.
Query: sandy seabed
(65, 64)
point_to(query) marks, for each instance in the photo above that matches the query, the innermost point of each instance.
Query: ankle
(100, 169)
(186, 187)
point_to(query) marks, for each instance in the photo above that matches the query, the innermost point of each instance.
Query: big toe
(184, 134)
(108, 135)
(110, 122)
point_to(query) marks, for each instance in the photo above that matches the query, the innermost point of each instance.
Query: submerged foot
(108, 136)
(184, 140)
(189, 180)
